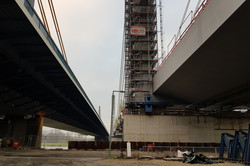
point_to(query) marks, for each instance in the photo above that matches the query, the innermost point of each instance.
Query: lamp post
(112, 118)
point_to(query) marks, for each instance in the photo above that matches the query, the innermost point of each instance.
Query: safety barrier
(178, 38)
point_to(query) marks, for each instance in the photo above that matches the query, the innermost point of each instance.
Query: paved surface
(78, 158)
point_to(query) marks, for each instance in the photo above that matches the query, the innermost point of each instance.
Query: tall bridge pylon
(140, 48)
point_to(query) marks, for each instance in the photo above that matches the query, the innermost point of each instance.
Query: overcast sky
(92, 32)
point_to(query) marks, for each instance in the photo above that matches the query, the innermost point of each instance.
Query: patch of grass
(55, 144)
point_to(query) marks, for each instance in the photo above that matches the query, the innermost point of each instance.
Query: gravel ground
(79, 158)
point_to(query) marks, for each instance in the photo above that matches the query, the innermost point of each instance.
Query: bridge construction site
(192, 97)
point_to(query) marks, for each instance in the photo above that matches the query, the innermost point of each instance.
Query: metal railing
(177, 38)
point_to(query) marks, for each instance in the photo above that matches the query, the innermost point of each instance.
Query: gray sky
(92, 34)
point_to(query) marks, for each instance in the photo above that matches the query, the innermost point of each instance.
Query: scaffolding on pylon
(141, 48)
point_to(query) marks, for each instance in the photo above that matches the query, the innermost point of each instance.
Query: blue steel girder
(238, 144)
(148, 104)
(246, 156)
(225, 142)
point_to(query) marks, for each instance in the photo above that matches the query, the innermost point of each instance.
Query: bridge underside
(35, 81)
(215, 78)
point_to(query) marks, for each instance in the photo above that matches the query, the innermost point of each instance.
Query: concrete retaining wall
(143, 128)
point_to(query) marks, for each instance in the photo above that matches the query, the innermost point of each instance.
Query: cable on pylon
(45, 22)
(59, 36)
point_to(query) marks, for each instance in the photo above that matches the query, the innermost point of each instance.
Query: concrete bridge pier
(101, 139)
(27, 131)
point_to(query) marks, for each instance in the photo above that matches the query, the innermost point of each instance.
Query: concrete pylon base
(183, 129)
(27, 132)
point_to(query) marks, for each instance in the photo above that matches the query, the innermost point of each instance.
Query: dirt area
(79, 158)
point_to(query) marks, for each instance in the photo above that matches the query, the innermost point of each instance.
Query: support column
(34, 132)
(100, 139)
(27, 132)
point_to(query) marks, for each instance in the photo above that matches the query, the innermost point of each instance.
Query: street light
(112, 118)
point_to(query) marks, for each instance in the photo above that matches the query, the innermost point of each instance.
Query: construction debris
(6, 142)
(198, 159)
(146, 158)
(181, 153)
(172, 159)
